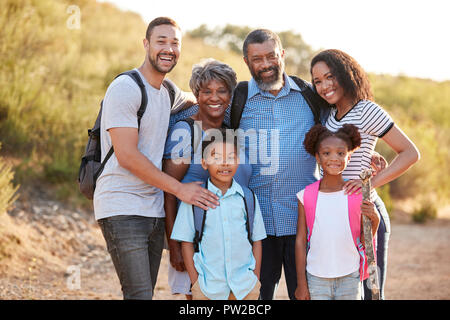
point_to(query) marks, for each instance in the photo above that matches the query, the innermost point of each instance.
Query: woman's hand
(378, 163)
(353, 187)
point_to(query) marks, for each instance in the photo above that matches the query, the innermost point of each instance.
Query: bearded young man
(128, 199)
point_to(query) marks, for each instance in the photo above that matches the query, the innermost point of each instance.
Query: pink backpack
(354, 214)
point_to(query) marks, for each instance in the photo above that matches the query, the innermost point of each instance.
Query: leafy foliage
(52, 79)
(418, 107)
(426, 211)
(231, 37)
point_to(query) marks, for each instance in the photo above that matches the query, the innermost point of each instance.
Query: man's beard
(158, 68)
(276, 80)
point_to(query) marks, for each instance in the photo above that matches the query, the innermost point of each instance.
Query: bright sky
(410, 37)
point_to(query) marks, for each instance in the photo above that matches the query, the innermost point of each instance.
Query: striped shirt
(373, 122)
(280, 124)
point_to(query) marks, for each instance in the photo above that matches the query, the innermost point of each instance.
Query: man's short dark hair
(260, 36)
(219, 135)
(158, 22)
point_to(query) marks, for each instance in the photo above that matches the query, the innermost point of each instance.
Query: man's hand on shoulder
(194, 194)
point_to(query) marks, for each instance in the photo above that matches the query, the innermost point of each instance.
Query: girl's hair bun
(348, 133)
(313, 136)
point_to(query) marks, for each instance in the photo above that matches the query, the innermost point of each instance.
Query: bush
(52, 79)
(426, 211)
(385, 195)
(418, 107)
(7, 189)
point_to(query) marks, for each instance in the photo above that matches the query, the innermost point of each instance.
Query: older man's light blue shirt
(281, 165)
(225, 260)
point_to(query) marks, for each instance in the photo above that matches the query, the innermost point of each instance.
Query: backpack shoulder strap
(199, 222)
(315, 102)
(250, 204)
(354, 215)
(170, 88)
(144, 99)
(135, 76)
(309, 203)
(196, 136)
(238, 103)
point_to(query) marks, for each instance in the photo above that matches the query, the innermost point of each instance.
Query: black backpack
(315, 102)
(195, 134)
(91, 165)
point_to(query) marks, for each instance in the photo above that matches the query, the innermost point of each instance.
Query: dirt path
(48, 252)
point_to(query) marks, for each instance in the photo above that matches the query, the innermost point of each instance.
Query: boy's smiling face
(221, 161)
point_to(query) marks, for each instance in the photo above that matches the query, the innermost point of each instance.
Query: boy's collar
(234, 188)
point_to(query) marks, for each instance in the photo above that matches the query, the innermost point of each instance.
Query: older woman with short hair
(212, 82)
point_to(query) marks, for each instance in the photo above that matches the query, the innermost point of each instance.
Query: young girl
(329, 241)
(341, 81)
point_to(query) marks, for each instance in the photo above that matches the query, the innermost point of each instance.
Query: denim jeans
(383, 234)
(342, 288)
(135, 244)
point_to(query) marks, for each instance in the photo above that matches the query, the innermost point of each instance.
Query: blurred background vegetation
(53, 77)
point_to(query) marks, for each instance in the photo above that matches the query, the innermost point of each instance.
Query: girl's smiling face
(333, 155)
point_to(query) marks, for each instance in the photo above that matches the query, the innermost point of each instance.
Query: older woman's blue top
(178, 146)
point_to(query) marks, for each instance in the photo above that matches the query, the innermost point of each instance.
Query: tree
(231, 37)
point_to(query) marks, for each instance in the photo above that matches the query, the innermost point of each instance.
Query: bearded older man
(276, 107)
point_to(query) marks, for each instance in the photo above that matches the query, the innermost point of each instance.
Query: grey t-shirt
(119, 192)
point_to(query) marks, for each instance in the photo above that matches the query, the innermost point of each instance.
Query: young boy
(226, 265)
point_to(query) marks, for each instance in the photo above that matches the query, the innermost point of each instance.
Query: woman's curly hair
(349, 74)
(348, 133)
